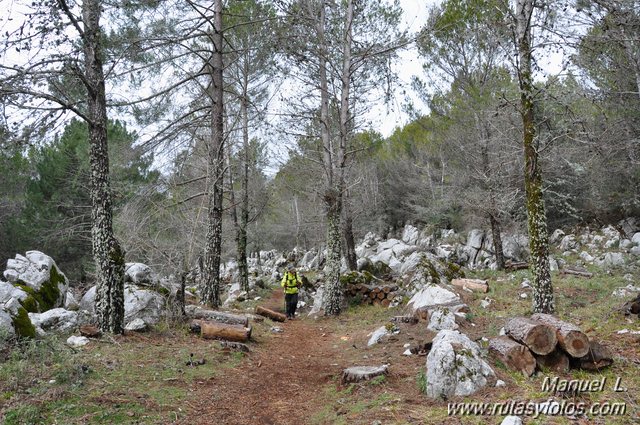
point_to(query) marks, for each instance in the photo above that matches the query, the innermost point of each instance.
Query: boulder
(410, 235)
(138, 274)
(57, 320)
(11, 296)
(432, 296)
(318, 299)
(556, 236)
(88, 300)
(377, 335)
(629, 226)
(39, 276)
(635, 250)
(144, 304)
(625, 244)
(136, 325)
(455, 366)
(568, 243)
(234, 293)
(627, 291)
(6, 326)
(442, 318)
(636, 239)
(610, 259)
(70, 302)
(586, 257)
(516, 247)
(77, 341)
(511, 420)
(475, 239)
(410, 264)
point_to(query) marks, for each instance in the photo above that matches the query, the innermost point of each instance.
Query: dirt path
(278, 382)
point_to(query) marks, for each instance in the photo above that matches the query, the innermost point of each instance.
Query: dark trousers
(291, 302)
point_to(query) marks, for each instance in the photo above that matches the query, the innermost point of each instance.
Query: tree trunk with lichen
(210, 284)
(536, 216)
(107, 253)
(333, 294)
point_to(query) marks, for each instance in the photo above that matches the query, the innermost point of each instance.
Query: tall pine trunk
(210, 285)
(349, 240)
(108, 255)
(536, 216)
(243, 267)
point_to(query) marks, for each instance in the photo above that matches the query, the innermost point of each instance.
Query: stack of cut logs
(372, 294)
(549, 344)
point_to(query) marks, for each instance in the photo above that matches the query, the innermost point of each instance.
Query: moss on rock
(47, 296)
(22, 324)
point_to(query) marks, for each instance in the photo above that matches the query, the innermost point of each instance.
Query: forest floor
(293, 377)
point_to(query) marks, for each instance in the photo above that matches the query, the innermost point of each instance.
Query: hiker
(291, 283)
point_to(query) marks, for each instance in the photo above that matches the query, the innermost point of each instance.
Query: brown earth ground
(289, 378)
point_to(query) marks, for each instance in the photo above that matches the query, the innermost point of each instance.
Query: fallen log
(575, 272)
(477, 285)
(213, 330)
(515, 356)
(199, 313)
(597, 358)
(539, 337)
(363, 373)
(273, 315)
(516, 265)
(556, 361)
(570, 338)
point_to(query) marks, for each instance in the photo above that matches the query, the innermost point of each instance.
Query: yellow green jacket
(290, 283)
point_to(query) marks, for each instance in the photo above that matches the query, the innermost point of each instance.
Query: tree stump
(363, 373)
(570, 338)
(515, 356)
(273, 315)
(539, 337)
(556, 361)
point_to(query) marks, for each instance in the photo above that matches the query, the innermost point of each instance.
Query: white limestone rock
(136, 325)
(410, 235)
(442, 318)
(34, 270)
(6, 326)
(377, 335)
(431, 296)
(57, 320)
(138, 274)
(511, 420)
(455, 366)
(77, 341)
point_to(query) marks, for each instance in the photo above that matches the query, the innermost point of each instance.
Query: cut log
(570, 338)
(556, 361)
(214, 330)
(385, 303)
(273, 315)
(476, 285)
(575, 272)
(539, 337)
(381, 295)
(597, 358)
(373, 295)
(199, 313)
(363, 373)
(376, 301)
(514, 356)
